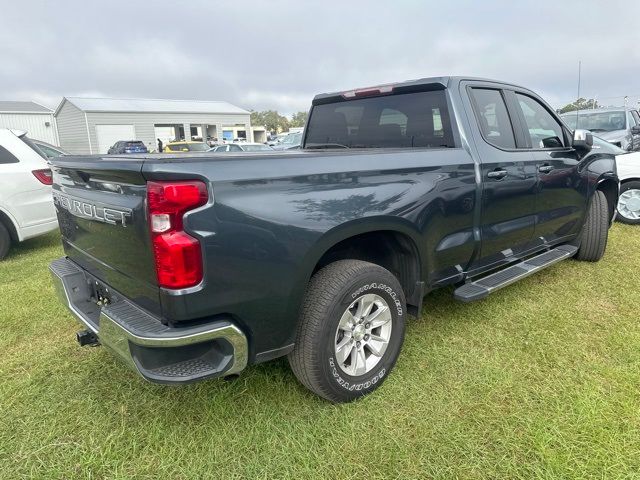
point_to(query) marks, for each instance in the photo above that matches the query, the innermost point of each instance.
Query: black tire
(593, 239)
(633, 185)
(329, 294)
(5, 241)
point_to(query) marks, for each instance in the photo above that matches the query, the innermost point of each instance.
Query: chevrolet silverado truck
(196, 265)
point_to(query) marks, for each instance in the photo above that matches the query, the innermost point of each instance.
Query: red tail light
(177, 255)
(44, 176)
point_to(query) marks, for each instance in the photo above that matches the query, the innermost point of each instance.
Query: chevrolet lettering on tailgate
(101, 213)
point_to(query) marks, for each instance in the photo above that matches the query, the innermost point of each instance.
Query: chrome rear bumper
(160, 353)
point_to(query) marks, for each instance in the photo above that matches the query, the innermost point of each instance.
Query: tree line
(579, 104)
(274, 122)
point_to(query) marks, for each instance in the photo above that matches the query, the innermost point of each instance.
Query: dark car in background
(128, 146)
(619, 126)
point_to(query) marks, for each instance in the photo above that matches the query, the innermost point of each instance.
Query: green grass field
(541, 380)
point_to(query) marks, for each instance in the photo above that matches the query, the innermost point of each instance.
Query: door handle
(497, 174)
(545, 168)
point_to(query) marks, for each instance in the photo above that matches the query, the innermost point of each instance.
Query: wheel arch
(10, 225)
(611, 190)
(630, 179)
(389, 242)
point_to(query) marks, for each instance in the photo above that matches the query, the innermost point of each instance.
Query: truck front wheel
(350, 331)
(593, 239)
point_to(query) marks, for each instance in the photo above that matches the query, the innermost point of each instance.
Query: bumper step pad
(159, 352)
(479, 289)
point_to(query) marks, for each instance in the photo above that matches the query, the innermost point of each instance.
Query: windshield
(411, 120)
(198, 147)
(256, 148)
(596, 121)
(292, 139)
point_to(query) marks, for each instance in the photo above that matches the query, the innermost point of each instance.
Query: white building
(92, 125)
(36, 119)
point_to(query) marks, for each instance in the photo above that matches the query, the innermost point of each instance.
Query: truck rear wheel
(593, 239)
(350, 331)
(5, 241)
(629, 203)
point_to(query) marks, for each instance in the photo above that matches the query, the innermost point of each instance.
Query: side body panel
(266, 232)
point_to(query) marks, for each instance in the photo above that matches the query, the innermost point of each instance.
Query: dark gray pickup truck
(194, 266)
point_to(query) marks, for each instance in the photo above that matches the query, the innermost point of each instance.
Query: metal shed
(36, 119)
(92, 125)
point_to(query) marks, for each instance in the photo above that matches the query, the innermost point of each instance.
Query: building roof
(7, 106)
(146, 105)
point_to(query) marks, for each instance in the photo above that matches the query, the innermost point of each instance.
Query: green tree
(298, 119)
(271, 119)
(579, 104)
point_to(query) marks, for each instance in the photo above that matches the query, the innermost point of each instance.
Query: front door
(509, 178)
(562, 195)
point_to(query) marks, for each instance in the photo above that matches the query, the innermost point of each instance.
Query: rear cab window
(403, 120)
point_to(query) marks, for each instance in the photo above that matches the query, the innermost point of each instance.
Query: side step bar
(481, 288)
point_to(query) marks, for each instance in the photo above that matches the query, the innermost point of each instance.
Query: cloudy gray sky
(278, 54)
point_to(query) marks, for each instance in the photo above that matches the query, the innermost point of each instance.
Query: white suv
(26, 206)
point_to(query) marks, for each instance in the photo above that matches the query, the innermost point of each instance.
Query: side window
(6, 156)
(544, 130)
(636, 116)
(234, 148)
(493, 117)
(631, 121)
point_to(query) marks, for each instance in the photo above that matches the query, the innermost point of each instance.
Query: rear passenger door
(562, 200)
(509, 177)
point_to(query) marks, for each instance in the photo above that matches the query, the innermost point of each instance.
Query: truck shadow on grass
(268, 386)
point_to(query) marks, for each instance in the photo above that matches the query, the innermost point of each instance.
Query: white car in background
(26, 206)
(241, 147)
(629, 201)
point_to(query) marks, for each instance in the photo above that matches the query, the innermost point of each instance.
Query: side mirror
(635, 130)
(582, 140)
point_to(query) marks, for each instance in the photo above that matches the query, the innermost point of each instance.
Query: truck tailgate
(101, 208)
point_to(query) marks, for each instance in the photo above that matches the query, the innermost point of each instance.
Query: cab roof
(420, 84)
